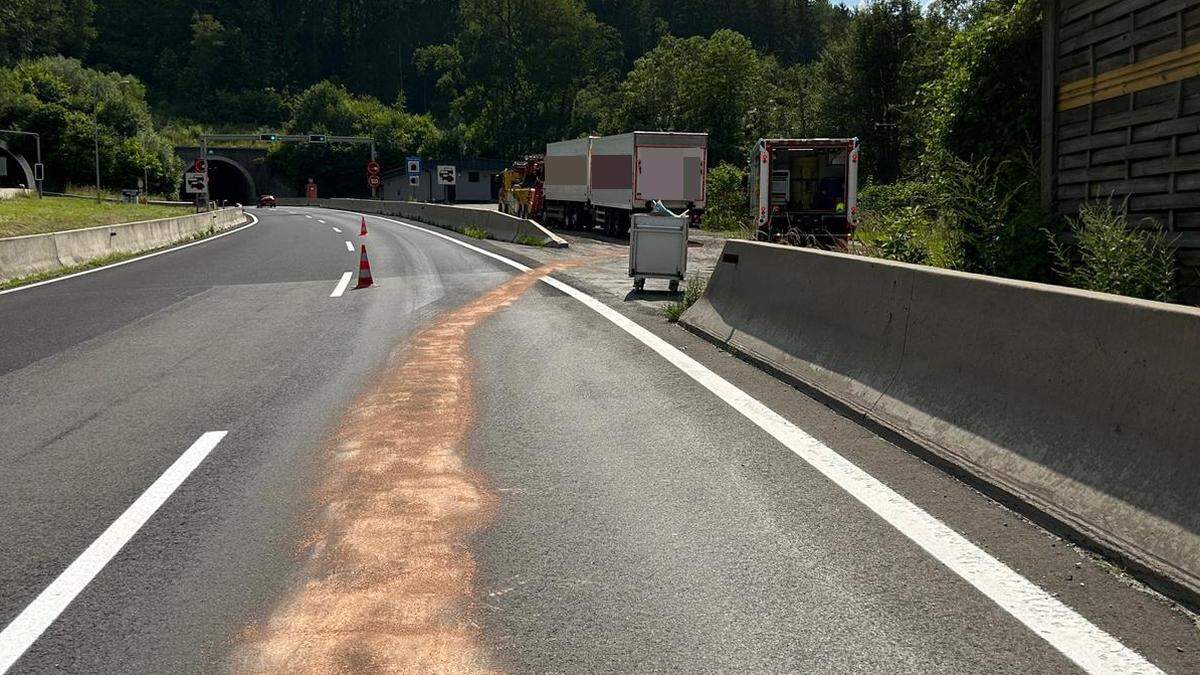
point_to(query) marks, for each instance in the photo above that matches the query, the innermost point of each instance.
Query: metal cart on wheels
(658, 249)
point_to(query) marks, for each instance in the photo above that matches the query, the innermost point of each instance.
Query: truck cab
(804, 191)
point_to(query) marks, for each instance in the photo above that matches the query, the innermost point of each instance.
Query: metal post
(38, 139)
(204, 156)
(374, 191)
(96, 137)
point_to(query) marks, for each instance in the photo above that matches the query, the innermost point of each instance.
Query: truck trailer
(804, 191)
(603, 180)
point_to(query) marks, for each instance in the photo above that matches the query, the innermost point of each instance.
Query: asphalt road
(562, 497)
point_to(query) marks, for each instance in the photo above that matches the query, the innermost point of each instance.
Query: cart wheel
(674, 286)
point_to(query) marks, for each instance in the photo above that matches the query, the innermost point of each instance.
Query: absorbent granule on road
(388, 581)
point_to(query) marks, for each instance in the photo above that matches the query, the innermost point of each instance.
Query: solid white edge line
(341, 285)
(1081, 641)
(29, 625)
(252, 223)
(349, 247)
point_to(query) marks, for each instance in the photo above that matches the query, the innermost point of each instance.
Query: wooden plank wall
(1122, 88)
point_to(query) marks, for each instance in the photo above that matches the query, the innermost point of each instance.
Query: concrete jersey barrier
(1080, 404)
(500, 226)
(37, 253)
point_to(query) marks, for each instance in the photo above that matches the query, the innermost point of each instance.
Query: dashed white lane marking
(341, 285)
(338, 230)
(307, 216)
(50, 603)
(252, 223)
(320, 221)
(1081, 641)
(349, 246)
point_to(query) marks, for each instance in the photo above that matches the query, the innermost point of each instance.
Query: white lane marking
(320, 221)
(1081, 641)
(252, 223)
(349, 246)
(50, 603)
(307, 216)
(341, 285)
(338, 230)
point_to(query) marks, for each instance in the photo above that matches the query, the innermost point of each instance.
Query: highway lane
(109, 377)
(586, 505)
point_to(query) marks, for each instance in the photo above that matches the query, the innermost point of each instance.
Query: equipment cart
(658, 249)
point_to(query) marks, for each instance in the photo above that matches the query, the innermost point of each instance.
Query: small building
(1121, 113)
(475, 181)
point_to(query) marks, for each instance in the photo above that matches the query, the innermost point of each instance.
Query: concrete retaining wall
(36, 253)
(500, 226)
(1083, 405)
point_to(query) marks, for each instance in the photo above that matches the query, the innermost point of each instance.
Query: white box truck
(623, 175)
(805, 190)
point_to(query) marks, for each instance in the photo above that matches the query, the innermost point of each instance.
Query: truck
(520, 188)
(804, 191)
(602, 181)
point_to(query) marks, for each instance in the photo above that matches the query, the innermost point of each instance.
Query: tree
(720, 85)
(861, 87)
(59, 99)
(513, 74)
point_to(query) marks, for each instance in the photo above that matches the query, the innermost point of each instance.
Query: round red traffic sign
(373, 168)
(374, 181)
(198, 165)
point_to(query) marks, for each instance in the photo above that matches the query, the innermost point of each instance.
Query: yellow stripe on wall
(1152, 72)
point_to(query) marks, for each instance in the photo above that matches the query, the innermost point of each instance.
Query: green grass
(29, 215)
(100, 262)
(691, 293)
(526, 240)
(475, 232)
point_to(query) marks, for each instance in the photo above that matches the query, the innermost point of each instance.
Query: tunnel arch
(9, 181)
(229, 181)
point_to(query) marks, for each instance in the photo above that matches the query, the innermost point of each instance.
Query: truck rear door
(670, 174)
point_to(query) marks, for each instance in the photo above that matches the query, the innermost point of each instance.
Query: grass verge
(29, 215)
(526, 240)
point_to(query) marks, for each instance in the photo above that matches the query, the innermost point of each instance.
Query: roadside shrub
(962, 215)
(475, 232)
(692, 292)
(1106, 255)
(726, 206)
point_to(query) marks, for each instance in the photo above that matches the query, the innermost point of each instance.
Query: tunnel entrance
(229, 183)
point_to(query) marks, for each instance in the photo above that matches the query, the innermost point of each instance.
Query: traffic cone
(364, 269)
(363, 233)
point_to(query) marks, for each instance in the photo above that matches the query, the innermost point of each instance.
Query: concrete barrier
(500, 226)
(1081, 405)
(37, 253)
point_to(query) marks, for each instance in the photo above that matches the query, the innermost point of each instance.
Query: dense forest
(944, 96)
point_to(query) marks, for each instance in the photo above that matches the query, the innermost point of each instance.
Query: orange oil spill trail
(388, 584)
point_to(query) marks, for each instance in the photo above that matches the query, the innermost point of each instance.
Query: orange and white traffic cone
(364, 269)
(363, 232)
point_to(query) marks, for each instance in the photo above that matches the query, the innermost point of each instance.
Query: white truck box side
(629, 170)
(567, 169)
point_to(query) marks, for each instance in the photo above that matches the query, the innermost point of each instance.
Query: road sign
(39, 171)
(310, 190)
(414, 165)
(373, 168)
(447, 174)
(193, 183)
(414, 180)
(374, 181)
(198, 165)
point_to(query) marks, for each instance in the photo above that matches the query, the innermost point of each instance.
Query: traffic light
(270, 138)
(316, 138)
